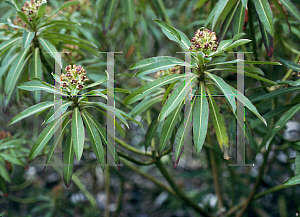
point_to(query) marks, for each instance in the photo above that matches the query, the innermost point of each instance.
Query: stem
(257, 196)
(252, 30)
(154, 180)
(215, 177)
(178, 191)
(120, 197)
(132, 149)
(133, 160)
(256, 184)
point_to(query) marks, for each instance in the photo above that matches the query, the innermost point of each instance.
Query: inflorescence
(74, 78)
(205, 41)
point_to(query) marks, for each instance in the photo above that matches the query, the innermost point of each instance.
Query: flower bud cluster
(205, 41)
(74, 78)
(31, 8)
(171, 71)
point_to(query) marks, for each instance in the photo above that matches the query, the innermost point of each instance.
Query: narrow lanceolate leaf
(36, 71)
(42, 9)
(177, 95)
(237, 43)
(264, 12)
(288, 4)
(219, 126)
(238, 20)
(262, 62)
(282, 121)
(77, 130)
(168, 127)
(38, 84)
(220, 7)
(227, 23)
(61, 133)
(276, 93)
(297, 162)
(150, 87)
(225, 89)
(15, 72)
(293, 181)
(200, 118)
(96, 83)
(151, 132)
(27, 38)
(181, 135)
(66, 5)
(24, 17)
(161, 65)
(50, 49)
(267, 39)
(130, 12)
(68, 160)
(240, 97)
(31, 110)
(4, 174)
(104, 138)
(94, 138)
(168, 28)
(59, 111)
(149, 61)
(110, 13)
(245, 2)
(45, 136)
(9, 43)
(290, 64)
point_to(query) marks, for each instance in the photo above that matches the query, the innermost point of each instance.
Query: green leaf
(168, 127)
(5, 45)
(150, 87)
(182, 132)
(238, 20)
(151, 132)
(77, 133)
(243, 99)
(282, 121)
(199, 4)
(149, 61)
(96, 83)
(93, 93)
(297, 162)
(45, 136)
(276, 93)
(237, 43)
(175, 98)
(59, 111)
(130, 6)
(7, 62)
(288, 4)
(219, 126)
(290, 64)
(264, 12)
(51, 151)
(200, 118)
(15, 72)
(168, 28)
(36, 71)
(245, 2)
(50, 49)
(110, 13)
(220, 7)
(30, 111)
(225, 89)
(161, 65)
(104, 138)
(225, 43)
(293, 181)
(24, 17)
(262, 62)
(42, 9)
(94, 138)
(144, 105)
(11, 159)
(68, 160)
(267, 39)
(38, 84)
(66, 5)
(4, 174)
(227, 23)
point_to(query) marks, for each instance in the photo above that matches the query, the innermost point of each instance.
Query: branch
(178, 191)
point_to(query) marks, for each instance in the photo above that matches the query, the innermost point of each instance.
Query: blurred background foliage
(126, 25)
